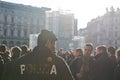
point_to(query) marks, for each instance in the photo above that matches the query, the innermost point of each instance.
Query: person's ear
(47, 43)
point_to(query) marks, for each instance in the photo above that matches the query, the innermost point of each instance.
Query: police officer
(1, 66)
(41, 63)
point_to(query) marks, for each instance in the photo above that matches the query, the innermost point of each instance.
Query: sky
(84, 10)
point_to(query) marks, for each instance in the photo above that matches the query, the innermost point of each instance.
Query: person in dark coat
(16, 53)
(41, 63)
(103, 69)
(82, 66)
(111, 54)
(87, 63)
(25, 50)
(76, 63)
(4, 53)
(1, 66)
(117, 68)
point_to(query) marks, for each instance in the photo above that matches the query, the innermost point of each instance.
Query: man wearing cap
(41, 63)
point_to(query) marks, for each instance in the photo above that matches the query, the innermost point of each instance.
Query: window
(5, 11)
(12, 19)
(19, 33)
(0, 28)
(38, 22)
(5, 32)
(25, 33)
(5, 18)
(19, 20)
(12, 33)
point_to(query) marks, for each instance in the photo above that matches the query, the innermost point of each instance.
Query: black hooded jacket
(104, 67)
(41, 64)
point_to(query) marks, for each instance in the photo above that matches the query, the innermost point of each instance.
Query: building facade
(105, 30)
(75, 27)
(18, 21)
(62, 24)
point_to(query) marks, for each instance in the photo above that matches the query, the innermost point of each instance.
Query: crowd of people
(86, 64)
(44, 63)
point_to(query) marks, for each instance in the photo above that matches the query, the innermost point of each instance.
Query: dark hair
(102, 48)
(90, 44)
(24, 49)
(44, 36)
(3, 48)
(80, 51)
(118, 52)
(16, 51)
(111, 50)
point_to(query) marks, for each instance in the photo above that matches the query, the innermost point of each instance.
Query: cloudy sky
(84, 10)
